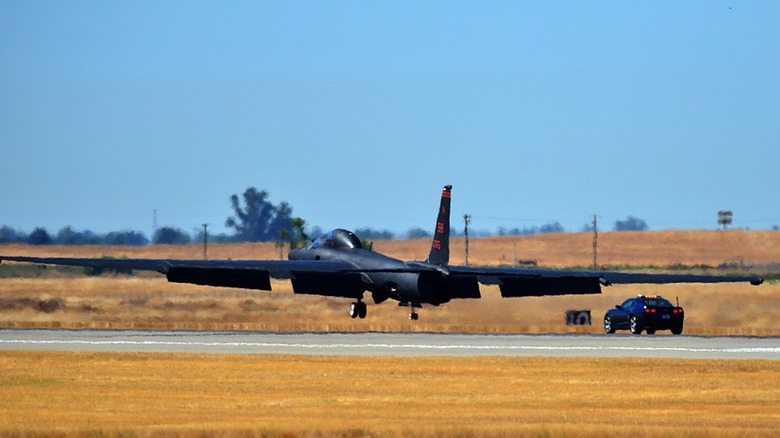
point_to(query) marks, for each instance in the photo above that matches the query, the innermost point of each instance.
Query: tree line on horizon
(256, 219)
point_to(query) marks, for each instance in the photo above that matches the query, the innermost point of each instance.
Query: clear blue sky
(358, 112)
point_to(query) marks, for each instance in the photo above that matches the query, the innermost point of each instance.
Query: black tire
(634, 325)
(650, 331)
(353, 310)
(362, 310)
(608, 325)
(677, 330)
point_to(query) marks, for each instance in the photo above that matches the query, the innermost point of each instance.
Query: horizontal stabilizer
(225, 277)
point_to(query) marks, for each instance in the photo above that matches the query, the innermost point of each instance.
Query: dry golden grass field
(56, 298)
(139, 394)
(136, 394)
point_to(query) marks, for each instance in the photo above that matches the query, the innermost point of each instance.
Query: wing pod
(516, 286)
(224, 277)
(462, 287)
(347, 285)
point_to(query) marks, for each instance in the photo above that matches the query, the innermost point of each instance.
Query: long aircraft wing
(337, 278)
(247, 274)
(521, 282)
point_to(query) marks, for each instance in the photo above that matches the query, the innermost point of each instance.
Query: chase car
(645, 312)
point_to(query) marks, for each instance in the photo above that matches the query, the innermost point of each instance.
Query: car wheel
(677, 330)
(650, 331)
(634, 325)
(608, 325)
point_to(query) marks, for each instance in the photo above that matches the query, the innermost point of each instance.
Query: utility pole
(595, 243)
(205, 241)
(154, 222)
(466, 220)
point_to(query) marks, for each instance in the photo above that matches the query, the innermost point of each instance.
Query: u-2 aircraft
(337, 265)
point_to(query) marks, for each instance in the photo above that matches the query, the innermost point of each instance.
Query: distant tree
(213, 238)
(69, 236)
(631, 224)
(258, 220)
(170, 236)
(417, 233)
(254, 221)
(373, 234)
(9, 235)
(125, 238)
(39, 236)
(587, 228)
(282, 223)
(552, 227)
(300, 238)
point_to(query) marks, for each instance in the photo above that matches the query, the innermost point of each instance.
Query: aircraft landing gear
(358, 310)
(412, 314)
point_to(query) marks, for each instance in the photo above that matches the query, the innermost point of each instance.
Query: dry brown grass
(125, 394)
(131, 302)
(146, 300)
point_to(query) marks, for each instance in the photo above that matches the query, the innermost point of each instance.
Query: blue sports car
(645, 312)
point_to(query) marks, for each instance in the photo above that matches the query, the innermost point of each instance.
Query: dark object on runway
(578, 317)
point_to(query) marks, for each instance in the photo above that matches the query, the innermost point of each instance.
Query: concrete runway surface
(395, 344)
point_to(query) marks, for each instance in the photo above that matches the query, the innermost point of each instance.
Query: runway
(394, 344)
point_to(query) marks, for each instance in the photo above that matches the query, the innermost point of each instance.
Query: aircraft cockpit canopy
(337, 239)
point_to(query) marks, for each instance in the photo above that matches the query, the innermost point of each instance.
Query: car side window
(627, 304)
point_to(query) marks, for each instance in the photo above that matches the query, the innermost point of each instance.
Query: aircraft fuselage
(406, 287)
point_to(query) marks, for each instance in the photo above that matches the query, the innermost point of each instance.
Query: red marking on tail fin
(440, 247)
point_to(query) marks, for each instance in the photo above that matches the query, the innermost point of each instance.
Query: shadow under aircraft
(337, 265)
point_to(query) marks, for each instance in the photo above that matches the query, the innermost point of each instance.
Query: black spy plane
(337, 265)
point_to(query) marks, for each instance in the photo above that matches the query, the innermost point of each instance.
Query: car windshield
(657, 302)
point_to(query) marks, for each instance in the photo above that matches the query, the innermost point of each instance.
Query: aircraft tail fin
(440, 247)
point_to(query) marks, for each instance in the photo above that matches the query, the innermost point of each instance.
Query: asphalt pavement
(395, 344)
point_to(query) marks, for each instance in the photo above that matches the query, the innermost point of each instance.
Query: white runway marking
(394, 344)
(771, 350)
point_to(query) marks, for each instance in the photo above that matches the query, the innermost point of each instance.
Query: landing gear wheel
(353, 310)
(358, 310)
(412, 314)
